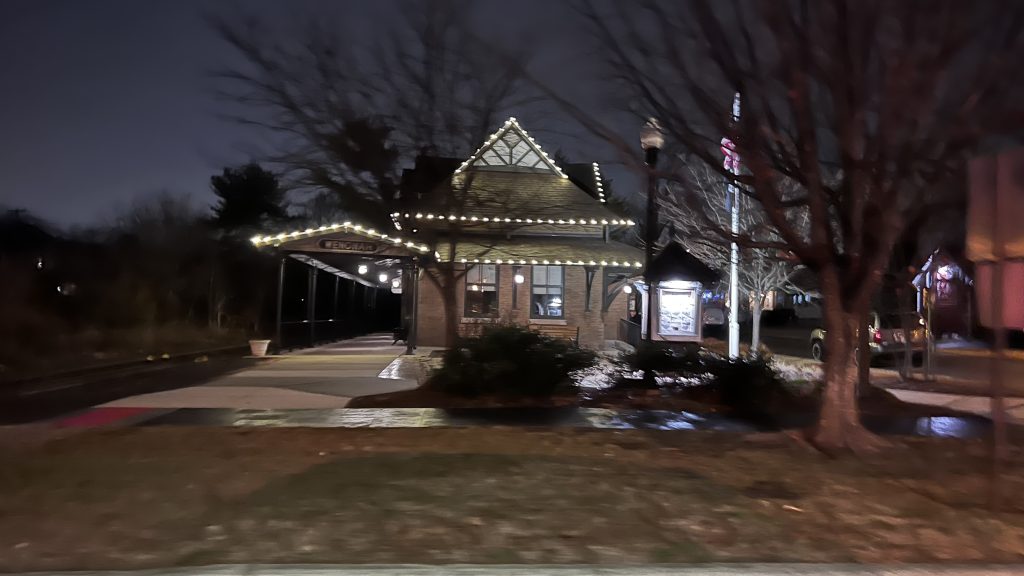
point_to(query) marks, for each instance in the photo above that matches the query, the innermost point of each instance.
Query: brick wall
(619, 309)
(595, 327)
(430, 326)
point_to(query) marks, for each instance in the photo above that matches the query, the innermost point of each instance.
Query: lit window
(546, 292)
(482, 291)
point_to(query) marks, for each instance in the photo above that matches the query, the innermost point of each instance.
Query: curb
(982, 353)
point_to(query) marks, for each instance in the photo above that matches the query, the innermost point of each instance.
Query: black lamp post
(651, 140)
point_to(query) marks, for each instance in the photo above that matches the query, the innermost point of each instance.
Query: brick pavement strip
(543, 570)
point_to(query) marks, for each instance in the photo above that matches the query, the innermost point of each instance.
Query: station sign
(354, 246)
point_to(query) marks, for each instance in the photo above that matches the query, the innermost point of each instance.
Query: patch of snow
(798, 372)
(598, 377)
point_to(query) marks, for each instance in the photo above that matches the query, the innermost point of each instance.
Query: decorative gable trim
(511, 146)
(598, 183)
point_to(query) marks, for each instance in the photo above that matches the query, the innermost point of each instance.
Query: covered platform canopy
(346, 250)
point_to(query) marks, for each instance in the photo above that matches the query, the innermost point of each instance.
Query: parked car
(714, 316)
(885, 336)
(808, 310)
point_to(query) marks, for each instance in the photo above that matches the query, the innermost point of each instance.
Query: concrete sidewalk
(566, 570)
(979, 405)
(888, 379)
(323, 377)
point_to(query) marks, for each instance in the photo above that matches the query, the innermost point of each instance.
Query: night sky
(108, 100)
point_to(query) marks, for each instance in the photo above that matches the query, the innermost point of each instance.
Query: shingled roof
(675, 263)
(542, 250)
(509, 176)
(517, 194)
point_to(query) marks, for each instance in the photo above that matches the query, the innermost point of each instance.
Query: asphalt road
(58, 396)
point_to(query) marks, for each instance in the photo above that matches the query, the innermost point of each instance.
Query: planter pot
(259, 347)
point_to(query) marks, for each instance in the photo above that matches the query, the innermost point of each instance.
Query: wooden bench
(559, 331)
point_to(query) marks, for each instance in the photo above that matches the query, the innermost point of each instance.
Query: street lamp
(732, 164)
(651, 140)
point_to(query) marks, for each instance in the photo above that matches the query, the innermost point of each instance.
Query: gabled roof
(510, 180)
(675, 263)
(511, 148)
(525, 195)
(296, 238)
(588, 177)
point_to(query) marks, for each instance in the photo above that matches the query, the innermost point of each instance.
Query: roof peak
(510, 147)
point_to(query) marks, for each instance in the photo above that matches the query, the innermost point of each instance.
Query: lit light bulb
(383, 277)
(363, 268)
(519, 278)
(627, 289)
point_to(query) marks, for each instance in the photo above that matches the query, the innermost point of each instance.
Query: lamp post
(732, 164)
(651, 140)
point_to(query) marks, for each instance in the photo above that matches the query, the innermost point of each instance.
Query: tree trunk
(451, 316)
(864, 353)
(996, 390)
(210, 297)
(839, 426)
(755, 312)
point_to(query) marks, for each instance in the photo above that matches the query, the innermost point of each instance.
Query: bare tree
(699, 210)
(352, 117)
(888, 95)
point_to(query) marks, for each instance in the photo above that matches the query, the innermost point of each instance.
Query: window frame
(466, 313)
(533, 284)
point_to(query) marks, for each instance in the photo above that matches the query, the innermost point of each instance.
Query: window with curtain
(482, 291)
(546, 292)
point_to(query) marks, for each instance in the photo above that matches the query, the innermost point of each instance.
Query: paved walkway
(323, 377)
(970, 401)
(979, 405)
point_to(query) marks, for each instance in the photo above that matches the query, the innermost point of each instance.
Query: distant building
(944, 279)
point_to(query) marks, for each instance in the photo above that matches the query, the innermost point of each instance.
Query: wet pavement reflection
(570, 417)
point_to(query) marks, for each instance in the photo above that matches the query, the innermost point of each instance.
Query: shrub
(651, 358)
(510, 361)
(663, 358)
(748, 385)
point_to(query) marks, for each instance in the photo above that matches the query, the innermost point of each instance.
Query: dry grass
(169, 496)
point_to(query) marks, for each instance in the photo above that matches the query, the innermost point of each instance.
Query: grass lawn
(150, 497)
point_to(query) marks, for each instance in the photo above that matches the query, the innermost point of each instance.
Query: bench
(559, 331)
